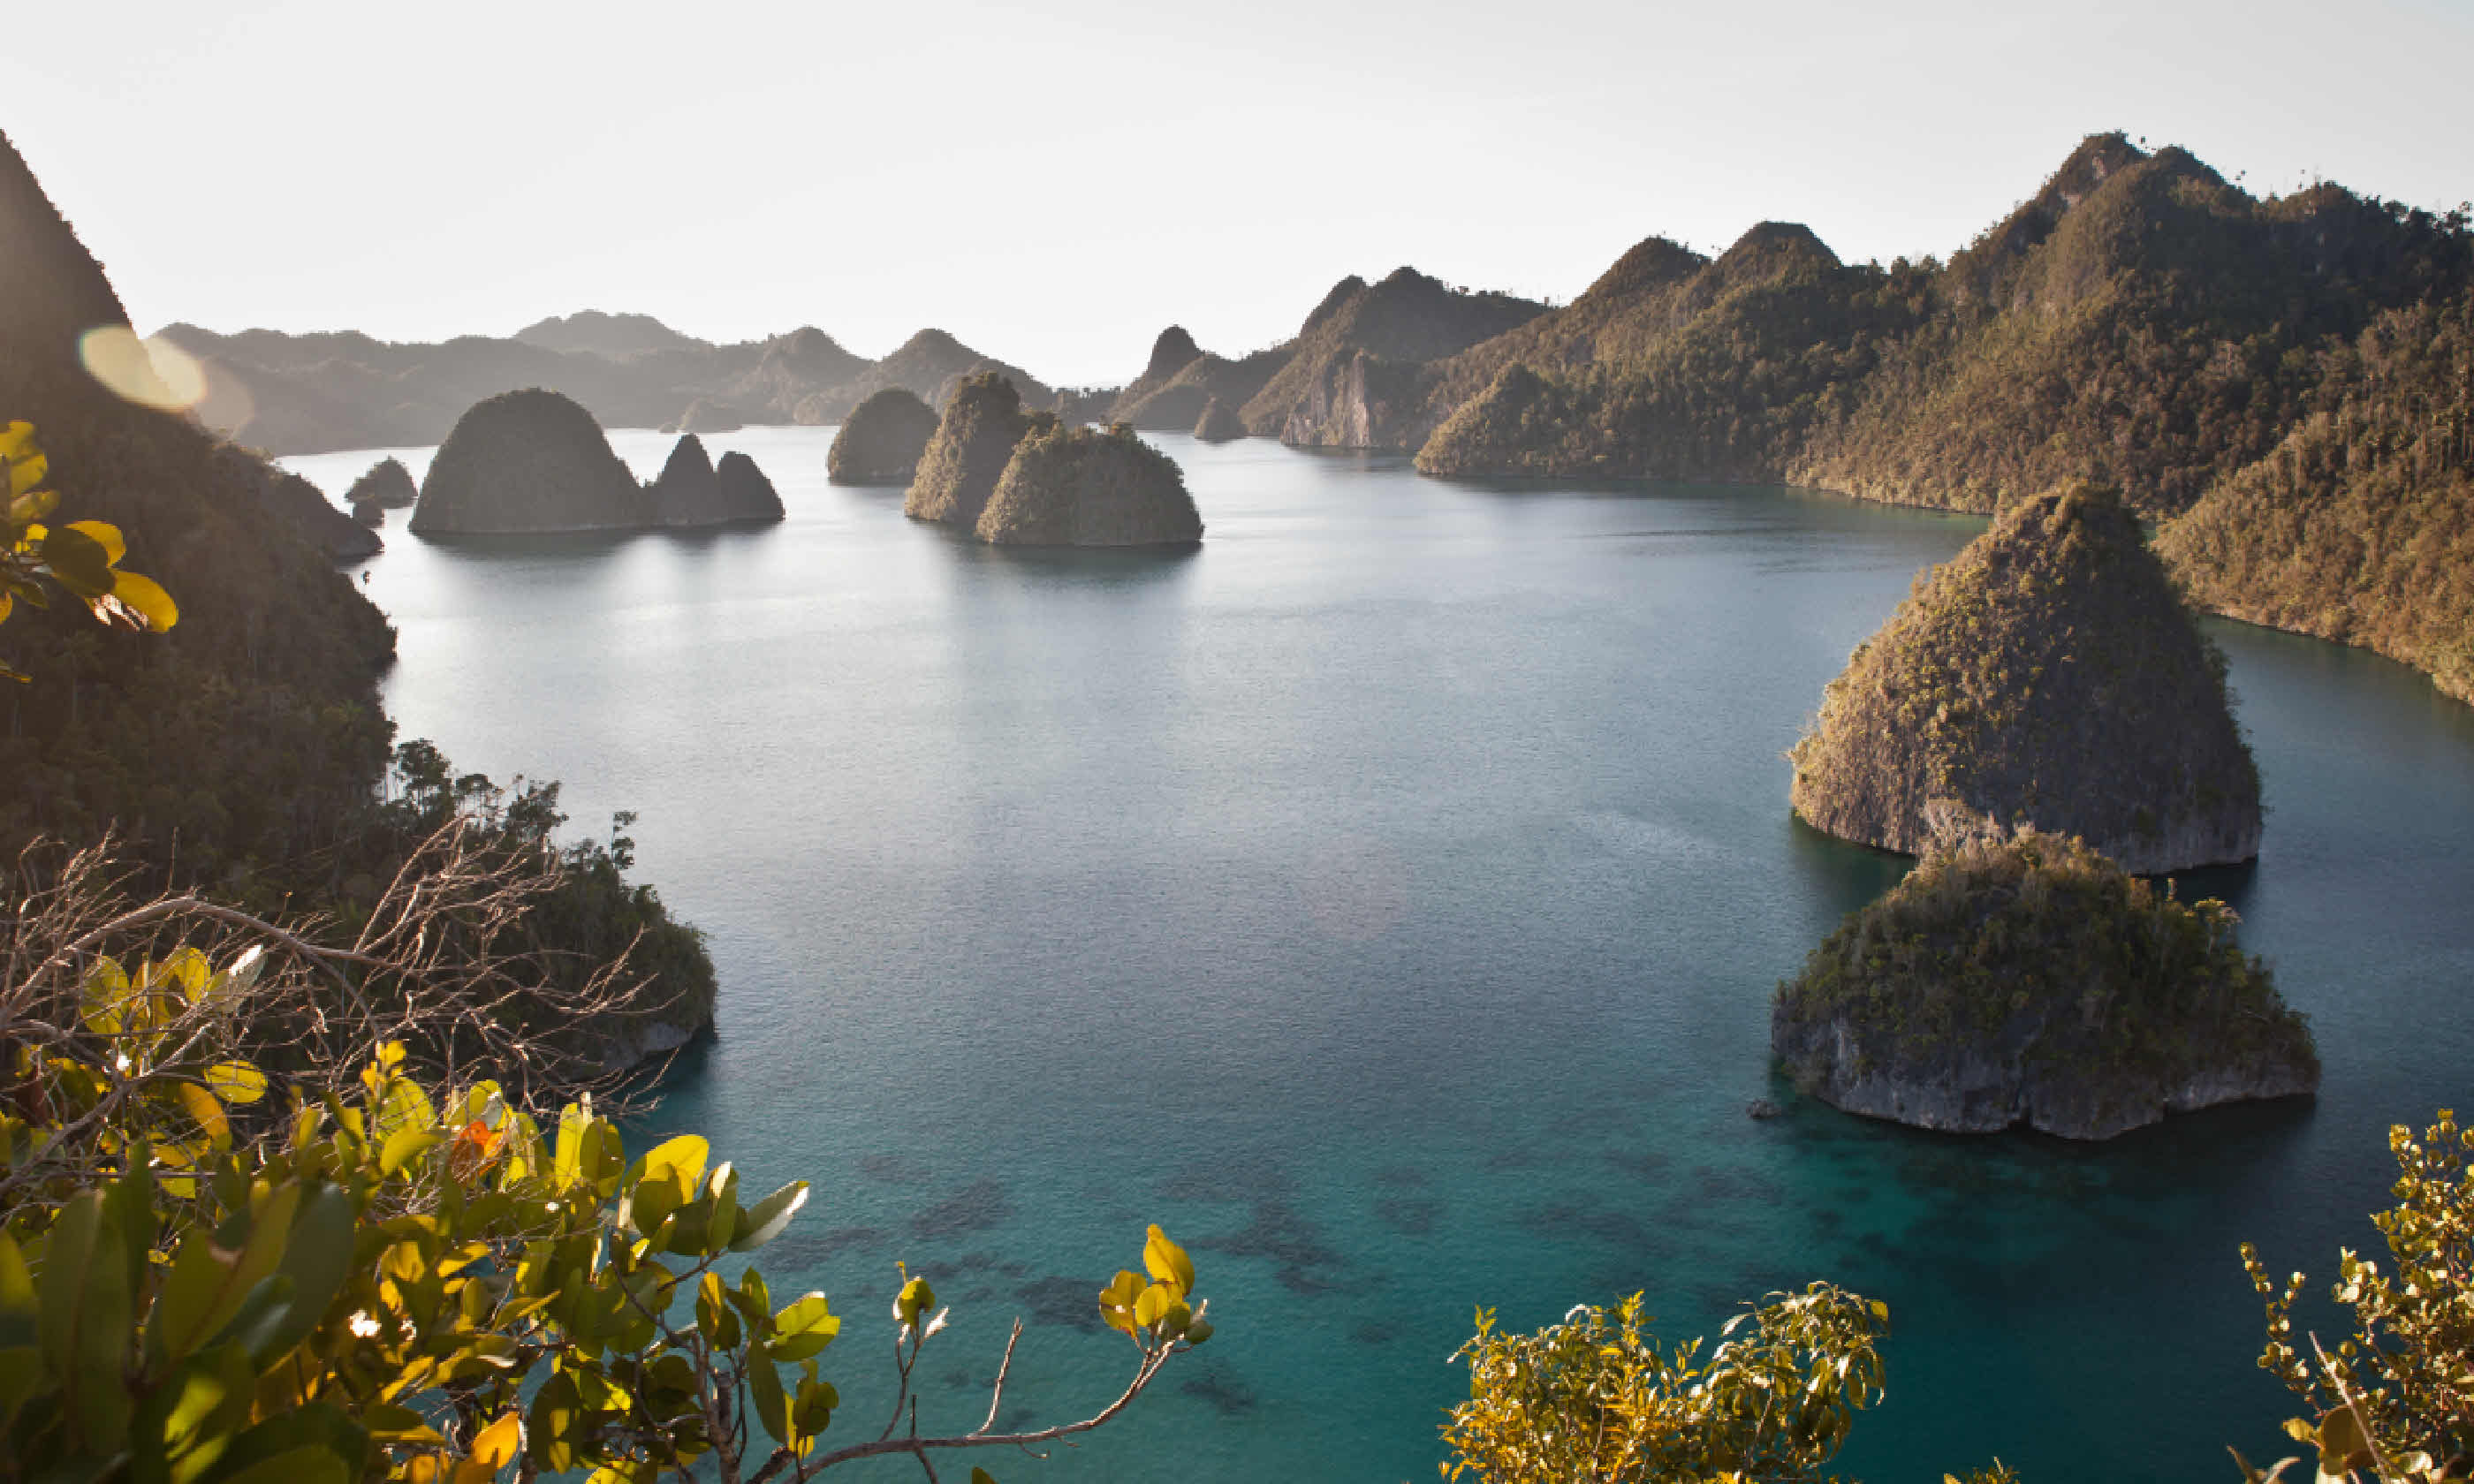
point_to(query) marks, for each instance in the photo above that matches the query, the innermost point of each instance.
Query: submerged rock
(528, 462)
(974, 440)
(2034, 982)
(1219, 422)
(387, 483)
(2048, 677)
(881, 441)
(1081, 487)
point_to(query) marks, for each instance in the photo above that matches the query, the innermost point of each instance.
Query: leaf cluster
(1599, 1399)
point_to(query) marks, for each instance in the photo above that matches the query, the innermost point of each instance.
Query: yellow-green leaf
(237, 1083)
(103, 533)
(1168, 1263)
(145, 597)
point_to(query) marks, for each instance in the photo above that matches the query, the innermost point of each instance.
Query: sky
(1055, 182)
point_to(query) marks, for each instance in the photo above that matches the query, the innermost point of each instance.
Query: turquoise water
(1387, 899)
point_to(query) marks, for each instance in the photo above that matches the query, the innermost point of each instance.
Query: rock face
(369, 513)
(881, 441)
(746, 496)
(2046, 677)
(1354, 378)
(2033, 982)
(707, 416)
(528, 462)
(388, 484)
(974, 440)
(1081, 487)
(1219, 422)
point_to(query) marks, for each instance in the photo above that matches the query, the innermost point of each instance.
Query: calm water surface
(1387, 898)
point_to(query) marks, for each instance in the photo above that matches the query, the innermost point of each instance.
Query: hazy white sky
(1053, 182)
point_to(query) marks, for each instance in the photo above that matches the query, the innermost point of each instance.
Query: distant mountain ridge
(318, 392)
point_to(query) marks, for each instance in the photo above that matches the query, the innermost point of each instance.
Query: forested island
(2029, 981)
(2046, 677)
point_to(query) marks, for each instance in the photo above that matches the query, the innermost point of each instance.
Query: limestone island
(535, 462)
(369, 513)
(2046, 677)
(972, 444)
(387, 483)
(1085, 487)
(881, 441)
(2032, 981)
(690, 492)
(1219, 423)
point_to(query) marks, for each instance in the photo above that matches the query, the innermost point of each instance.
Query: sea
(1386, 898)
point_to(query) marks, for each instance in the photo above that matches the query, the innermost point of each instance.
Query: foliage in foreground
(216, 1285)
(82, 558)
(1597, 1398)
(2395, 1401)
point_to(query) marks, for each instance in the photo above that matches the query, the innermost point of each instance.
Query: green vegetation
(2033, 981)
(213, 1272)
(2046, 677)
(243, 751)
(1719, 374)
(2395, 1401)
(974, 441)
(882, 440)
(1595, 1398)
(79, 557)
(2359, 526)
(1081, 486)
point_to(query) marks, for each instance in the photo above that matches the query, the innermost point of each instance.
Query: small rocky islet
(2031, 982)
(882, 440)
(534, 462)
(1013, 477)
(2048, 677)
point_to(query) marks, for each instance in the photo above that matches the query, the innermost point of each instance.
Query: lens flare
(151, 372)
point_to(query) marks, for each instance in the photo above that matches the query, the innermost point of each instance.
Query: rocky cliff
(1352, 379)
(881, 441)
(2046, 677)
(528, 462)
(1085, 487)
(2034, 983)
(974, 440)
